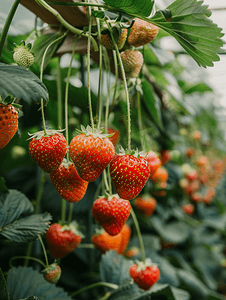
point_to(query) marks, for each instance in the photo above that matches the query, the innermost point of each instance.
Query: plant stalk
(107, 284)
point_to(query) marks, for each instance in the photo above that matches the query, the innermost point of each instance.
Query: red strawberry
(145, 274)
(188, 208)
(154, 162)
(68, 183)
(132, 62)
(196, 197)
(145, 204)
(48, 151)
(197, 135)
(105, 242)
(126, 234)
(115, 137)
(129, 173)
(165, 156)
(52, 273)
(91, 152)
(191, 175)
(120, 36)
(111, 213)
(8, 123)
(63, 239)
(190, 152)
(142, 33)
(161, 175)
(202, 161)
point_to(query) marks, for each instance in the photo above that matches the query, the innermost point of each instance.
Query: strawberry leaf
(21, 83)
(191, 27)
(141, 7)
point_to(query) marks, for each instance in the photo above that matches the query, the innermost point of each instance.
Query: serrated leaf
(13, 205)
(27, 229)
(23, 282)
(191, 27)
(21, 83)
(141, 7)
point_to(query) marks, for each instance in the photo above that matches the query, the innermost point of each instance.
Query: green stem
(99, 98)
(44, 250)
(88, 71)
(7, 24)
(87, 246)
(116, 76)
(106, 180)
(59, 96)
(140, 121)
(138, 233)
(27, 258)
(107, 284)
(65, 23)
(70, 213)
(40, 190)
(63, 211)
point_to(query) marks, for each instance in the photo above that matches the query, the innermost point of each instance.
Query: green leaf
(23, 282)
(141, 7)
(3, 187)
(200, 87)
(4, 295)
(27, 229)
(192, 28)
(21, 83)
(170, 292)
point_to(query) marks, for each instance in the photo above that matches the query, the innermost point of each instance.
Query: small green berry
(23, 56)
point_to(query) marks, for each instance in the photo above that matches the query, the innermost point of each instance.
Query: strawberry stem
(138, 234)
(70, 213)
(107, 284)
(44, 250)
(140, 121)
(27, 258)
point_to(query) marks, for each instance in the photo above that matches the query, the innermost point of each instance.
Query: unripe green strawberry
(23, 56)
(132, 61)
(52, 273)
(119, 37)
(142, 33)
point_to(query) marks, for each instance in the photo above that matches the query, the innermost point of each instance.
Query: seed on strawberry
(132, 62)
(23, 56)
(52, 273)
(48, 151)
(111, 212)
(91, 152)
(119, 34)
(145, 274)
(63, 239)
(68, 183)
(142, 33)
(8, 123)
(145, 204)
(129, 173)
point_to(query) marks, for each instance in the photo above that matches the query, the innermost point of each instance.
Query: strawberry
(154, 162)
(142, 33)
(126, 234)
(209, 195)
(91, 152)
(202, 161)
(8, 123)
(161, 175)
(190, 152)
(120, 35)
(191, 175)
(52, 273)
(68, 183)
(129, 173)
(23, 56)
(115, 137)
(111, 212)
(132, 62)
(48, 151)
(105, 242)
(63, 239)
(196, 197)
(165, 156)
(145, 274)
(133, 251)
(197, 135)
(188, 208)
(145, 204)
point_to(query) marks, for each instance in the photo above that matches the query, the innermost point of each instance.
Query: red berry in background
(196, 197)
(218, 165)
(68, 183)
(125, 234)
(129, 173)
(209, 195)
(188, 208)
(202, 161)
(159, 189)
(197, 135)
(154, 162)
(63, 239)
(132, 62)
(105, 242)
(52, 273)
(145, 204)
(91, 152)
(8, 123)
(161, 175)
(111, 212)
(190, 152)
(184, 183)
(165, 156)
(48, 151)
(142, 33)
(115, 137)
(145, 275)
(191, 175)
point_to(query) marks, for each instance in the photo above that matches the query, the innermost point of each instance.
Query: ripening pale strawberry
(133, 251)
(190, 152)
(145, 204)
(48, 151)
(8, 123)
(119, 34)
(91, 152)
(197, 135)
(111, 213)
(63, 239)
(23, 56)
(68, 183)
(202, 161)
(154, 162)
(52, 273)
(142, 33)
(132, 62)
(129, 173)
(188, 208)
(145, 274)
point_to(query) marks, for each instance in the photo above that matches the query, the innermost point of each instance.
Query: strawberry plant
(112, 165)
